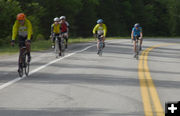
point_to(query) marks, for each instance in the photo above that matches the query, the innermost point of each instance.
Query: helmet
(62, 17)
(99, 21)
(20, 16)
(136, 25)
(56, 19)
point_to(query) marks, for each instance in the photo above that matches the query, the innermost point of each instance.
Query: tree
(8, 11)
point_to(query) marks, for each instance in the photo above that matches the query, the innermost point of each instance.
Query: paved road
(84, 84)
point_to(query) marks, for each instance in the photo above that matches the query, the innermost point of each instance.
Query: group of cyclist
(60, 28)
(23, 29)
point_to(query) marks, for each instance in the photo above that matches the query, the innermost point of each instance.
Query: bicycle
(100, 50)
(24, 65)
(57, 48)
(137, 47)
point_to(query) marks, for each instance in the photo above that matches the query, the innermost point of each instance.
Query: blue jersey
(137, 31)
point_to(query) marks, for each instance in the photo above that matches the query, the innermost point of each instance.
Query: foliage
(8, 11)
(157, 17)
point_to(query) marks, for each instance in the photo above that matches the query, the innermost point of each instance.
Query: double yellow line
(150, 98)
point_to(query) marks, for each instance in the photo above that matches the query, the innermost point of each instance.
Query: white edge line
(41, 67)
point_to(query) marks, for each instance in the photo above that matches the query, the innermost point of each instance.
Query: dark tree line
(157, 17)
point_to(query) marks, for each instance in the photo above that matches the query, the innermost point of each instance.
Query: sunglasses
(21, 21)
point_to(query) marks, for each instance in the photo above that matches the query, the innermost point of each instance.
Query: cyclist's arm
(141, 34)
(15, 30)
(52, 29)
(132, 34)
(105, 30)
(67, 24)
(29, 29)
(95, 29)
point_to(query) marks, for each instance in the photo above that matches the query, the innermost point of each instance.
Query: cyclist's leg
(103, 42)
(134, 45)
(53, 41)
(66, 38)
(28, 47)
(98, 41)
(59, 42)
(21, 45)
(141, 41)
(98, 44)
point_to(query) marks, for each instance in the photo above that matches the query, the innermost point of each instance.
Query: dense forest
(157, 17)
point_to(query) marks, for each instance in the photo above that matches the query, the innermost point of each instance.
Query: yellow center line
(144, 89)
(154, 95)
(148, 89)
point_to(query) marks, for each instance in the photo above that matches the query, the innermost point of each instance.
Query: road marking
(147, 84)
(41, 67)
(144, 88)
(154, 95)
(44, 66)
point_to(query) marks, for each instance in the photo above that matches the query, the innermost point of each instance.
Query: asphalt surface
(84, 84)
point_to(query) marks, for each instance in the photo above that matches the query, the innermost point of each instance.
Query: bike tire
(100, 53)
(20, 71)
(62, 47)
(27, 66)
(137, 57)
(101, 49)
(137, 50)
(56, 47)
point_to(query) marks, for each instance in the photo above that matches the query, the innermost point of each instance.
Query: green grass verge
(39, 45)
(46, 44)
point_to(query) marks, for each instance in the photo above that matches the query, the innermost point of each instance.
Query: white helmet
(62, 17)
(56, 19)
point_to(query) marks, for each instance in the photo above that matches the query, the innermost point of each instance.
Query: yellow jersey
(100, 29)
(22, 30)
(55, 28)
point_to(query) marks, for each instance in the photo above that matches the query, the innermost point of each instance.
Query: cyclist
(55, 31)
(101, 30)
(64, 29)
(137, 31)
(23, 28)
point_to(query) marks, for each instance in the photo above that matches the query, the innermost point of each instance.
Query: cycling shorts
(134, 38)
(22, 40)
(99, 37)
(54, 36)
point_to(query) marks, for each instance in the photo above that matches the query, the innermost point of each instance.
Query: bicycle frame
(23, 63)
(62, 44)
(100, 46)
(137, 47)
(57, 46)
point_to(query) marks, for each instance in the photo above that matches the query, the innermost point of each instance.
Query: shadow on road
(64, 112)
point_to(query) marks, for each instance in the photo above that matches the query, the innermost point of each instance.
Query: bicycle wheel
(20, 70)
(137, 57)
(62, 47)
(56, 47)
(100, 49)
(100, 52)
(137, 50)
(26, 65)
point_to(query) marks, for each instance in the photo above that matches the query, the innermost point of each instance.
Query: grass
(46, 44)
(8, 49)
(39, 45)
(80, 40)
